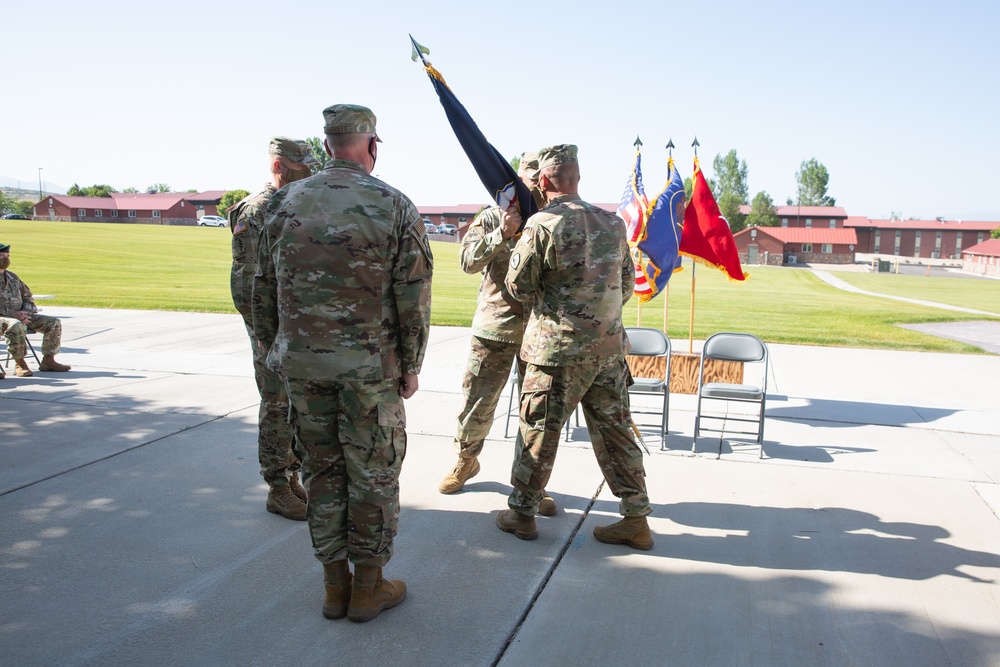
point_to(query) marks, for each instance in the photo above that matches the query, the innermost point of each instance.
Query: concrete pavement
(133, 530)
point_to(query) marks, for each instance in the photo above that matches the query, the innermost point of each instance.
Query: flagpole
(666, 290)
(694, 145)
(691, 321)
(666, 298)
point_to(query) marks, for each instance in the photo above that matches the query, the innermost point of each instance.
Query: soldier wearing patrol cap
(572, 265)
(341, 300)
(19, 316)
(496, 332)
(289, 161)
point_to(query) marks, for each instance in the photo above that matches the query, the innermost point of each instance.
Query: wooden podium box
(684, 372)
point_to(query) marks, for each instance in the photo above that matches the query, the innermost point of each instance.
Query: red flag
(706, 237)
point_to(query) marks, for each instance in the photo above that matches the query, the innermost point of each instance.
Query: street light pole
(40, 195)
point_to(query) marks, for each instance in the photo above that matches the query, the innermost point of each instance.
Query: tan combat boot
(338, 581)
(49, 363)
(632, 530)
(523, 527)
(371, 594)
(547, 506)
(281, 500)
(297, 488)
(21, 369)
(464, 470)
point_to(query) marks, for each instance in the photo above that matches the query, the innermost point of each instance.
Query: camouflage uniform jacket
(15, 295)
(343, 284)
(499, 316)
(573, 259)
(245, 222)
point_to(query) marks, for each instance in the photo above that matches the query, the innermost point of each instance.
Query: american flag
(632, 209)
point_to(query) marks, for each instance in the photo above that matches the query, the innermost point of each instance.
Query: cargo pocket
(475, 364)
(535, 398)
(392, 439)
(389, 450)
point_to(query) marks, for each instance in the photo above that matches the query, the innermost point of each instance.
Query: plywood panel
(647, 367)
(684, 372)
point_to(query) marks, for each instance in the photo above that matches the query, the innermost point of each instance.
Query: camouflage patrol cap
(349, 119)
(529, 162)
(550, 156)
(295, 150)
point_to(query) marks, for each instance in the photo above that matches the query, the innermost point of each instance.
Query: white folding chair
(746, 349)
(649, 364)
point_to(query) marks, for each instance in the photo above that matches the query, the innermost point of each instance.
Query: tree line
(731, 191)
(106, 190)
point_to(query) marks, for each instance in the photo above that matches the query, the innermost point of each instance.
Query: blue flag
(493, 169)
(660, 239)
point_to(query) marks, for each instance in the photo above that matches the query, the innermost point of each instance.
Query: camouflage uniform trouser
(274, 433)
(485, 376)
(549, 395)
(15, 331)
(351, 438)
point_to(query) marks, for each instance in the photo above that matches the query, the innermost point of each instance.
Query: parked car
(430, 227)
(448, 228)
(15, 216)
(212, 221)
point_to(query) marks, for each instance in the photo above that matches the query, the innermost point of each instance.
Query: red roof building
(983, 258)
(794, 245)
(933, 239)
(461, 216)
(810, 217)
(162, 208)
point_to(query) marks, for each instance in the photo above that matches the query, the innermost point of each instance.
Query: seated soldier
(19, 315)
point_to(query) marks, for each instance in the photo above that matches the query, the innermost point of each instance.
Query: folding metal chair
(31, 348)
(649, 363)
(515, 390)
(739, 347)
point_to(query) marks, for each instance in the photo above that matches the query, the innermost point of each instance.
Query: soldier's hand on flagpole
(511, 222)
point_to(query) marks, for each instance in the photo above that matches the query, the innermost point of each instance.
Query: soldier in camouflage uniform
(341, 299)
(496, 333)
(573, 264)
(19, 315)
(289, 162)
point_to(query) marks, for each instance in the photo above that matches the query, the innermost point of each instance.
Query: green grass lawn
(783, 305)
(149, 267)
(965, 292)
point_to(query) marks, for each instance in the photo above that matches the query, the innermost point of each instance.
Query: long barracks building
(826, 234)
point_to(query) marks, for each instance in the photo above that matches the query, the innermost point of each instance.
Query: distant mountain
(29, 185)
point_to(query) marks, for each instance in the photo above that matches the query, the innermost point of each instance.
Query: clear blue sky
(900, 100)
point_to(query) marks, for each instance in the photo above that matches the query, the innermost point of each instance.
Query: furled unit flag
(494, 171)
(632, 209)
(659, 241)
(707, 237)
